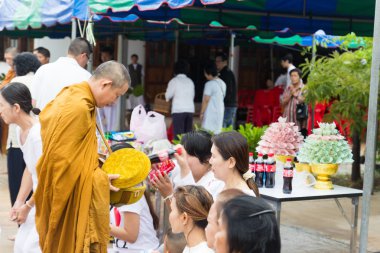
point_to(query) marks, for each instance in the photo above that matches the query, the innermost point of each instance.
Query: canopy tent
(337, 17)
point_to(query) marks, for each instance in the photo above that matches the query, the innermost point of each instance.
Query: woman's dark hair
(233, 144)
(44, 51)
(181, 67)
(251, 226)
(24, 63)
(198, 144)
(210, 69)
(287, 57)
(18, 93)
(194, 200)
(296, 70)
(156, 220)
(223, 56)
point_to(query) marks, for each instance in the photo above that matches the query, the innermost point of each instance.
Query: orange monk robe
(72, 196)
(8, 78)
(4, 127)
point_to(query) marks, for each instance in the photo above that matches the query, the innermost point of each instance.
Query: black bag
(301, 111)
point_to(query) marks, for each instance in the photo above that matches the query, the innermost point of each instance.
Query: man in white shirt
(287, 63)
(181, 91)
(51, 78)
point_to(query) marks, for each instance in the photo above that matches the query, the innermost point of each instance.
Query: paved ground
(311, 226)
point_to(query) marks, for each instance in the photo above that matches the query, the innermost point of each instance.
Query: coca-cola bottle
(164, 155)
(288, 176)
(259, 170)
(251, 162)
(270, 171)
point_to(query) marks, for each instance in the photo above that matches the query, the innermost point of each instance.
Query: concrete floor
(306, 226)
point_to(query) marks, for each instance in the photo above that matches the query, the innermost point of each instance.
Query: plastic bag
(153, 128)
(137, 118)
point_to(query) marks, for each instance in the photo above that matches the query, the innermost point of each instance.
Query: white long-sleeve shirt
(181, 90)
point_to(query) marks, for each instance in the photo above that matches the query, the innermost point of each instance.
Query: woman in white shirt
(194, 167)
(16, 107)
(189, 209)
(181, 91)
(230, 162)
(212, 111)
(134, 226)
(25, 65)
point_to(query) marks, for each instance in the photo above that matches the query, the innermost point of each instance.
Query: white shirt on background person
(181, 90)
(51, 78)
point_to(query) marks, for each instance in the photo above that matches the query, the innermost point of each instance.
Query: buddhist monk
(72, 198)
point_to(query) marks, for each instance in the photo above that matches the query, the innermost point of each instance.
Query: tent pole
(314, 53)
(176, 45)
(73, 29)
(370, 154)
(123, 98)
(231, 56)
(271, 63)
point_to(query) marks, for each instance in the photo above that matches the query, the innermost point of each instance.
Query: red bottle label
(259, 168)
(252, 167)
(166, 166)
(288, 173)
(270, 168)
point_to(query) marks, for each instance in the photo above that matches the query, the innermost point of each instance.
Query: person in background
(230, 162)
(247, 225)
(269, 84)
(212, 110)
(43, 55)
(230, 100)
(136, 71)
(287, 63)
(174, 243)
(194, 167)
(51, 78)
(106, 54)
(292, 96)
(109, 114)
(25, 65)
(181, 91)
(9, 54)
(189, 210)
(16, 108)
(134, 225)
(213, 215)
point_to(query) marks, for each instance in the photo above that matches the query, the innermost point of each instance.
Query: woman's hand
(162, 184)
(13, 211)
(22, 213)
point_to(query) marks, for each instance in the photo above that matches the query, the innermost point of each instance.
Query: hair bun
(36, 111)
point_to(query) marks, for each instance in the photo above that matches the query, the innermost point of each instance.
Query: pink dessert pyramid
(281, 138)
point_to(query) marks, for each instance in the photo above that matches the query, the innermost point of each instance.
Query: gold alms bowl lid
(132, 165)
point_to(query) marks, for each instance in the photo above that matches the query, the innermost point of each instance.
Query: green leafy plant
(343, 78)
(138, 90)
(252, 134)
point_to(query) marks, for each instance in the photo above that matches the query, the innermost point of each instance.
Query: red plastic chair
(277, 112)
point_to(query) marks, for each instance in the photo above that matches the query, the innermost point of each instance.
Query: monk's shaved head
(114, 71)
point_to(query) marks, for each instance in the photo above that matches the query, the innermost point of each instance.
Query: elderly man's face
(294, 77)
(109, 94)
(9, 59)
